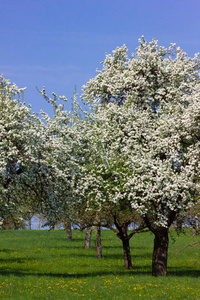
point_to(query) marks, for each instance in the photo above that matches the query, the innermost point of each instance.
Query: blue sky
(60, 43)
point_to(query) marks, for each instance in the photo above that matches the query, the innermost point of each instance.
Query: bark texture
(126, 247)
(69, 231)
(29, 223)
(88, 237)
(99, 246)
(159, 260)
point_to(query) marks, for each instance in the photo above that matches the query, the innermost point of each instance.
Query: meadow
(45, 265)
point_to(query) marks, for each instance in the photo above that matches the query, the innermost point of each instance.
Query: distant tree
(68, 227)
(35, 162)
(58, 162)
(17, 142)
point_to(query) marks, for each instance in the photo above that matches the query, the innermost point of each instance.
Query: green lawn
(45, 265)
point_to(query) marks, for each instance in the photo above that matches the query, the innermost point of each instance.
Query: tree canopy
(134, 153)
(143, 136)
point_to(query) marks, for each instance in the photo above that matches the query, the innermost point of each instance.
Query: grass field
(45, 265)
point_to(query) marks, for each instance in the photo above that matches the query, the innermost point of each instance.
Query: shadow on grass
(65, 240)
(136, 271)
(146, 271)
(6, 251)
(17, 260)
(84, 254)
(181, 272)
(92, 246)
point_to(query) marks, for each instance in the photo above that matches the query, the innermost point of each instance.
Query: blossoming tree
(57, 158)
(143, 137)
(136, 153)
(15, 120)
(35, 163)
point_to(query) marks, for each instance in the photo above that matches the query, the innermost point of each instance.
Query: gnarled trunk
(126, 248)
(69, 231)
(68, 228)
(88, 237)
(29, 223)
(159, 260)
(52, 227)
(99, 247)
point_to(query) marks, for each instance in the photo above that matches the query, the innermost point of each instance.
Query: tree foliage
(133, 155)
(143, 136)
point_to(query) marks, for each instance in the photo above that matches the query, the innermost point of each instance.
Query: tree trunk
(88, 237)
(29, 223)
(39, 224)
(99, 247)
(69, 231)
(126, 249)
(16, 225)
(179, 225)
(52, 227)
(159, 260)
(68, 228)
